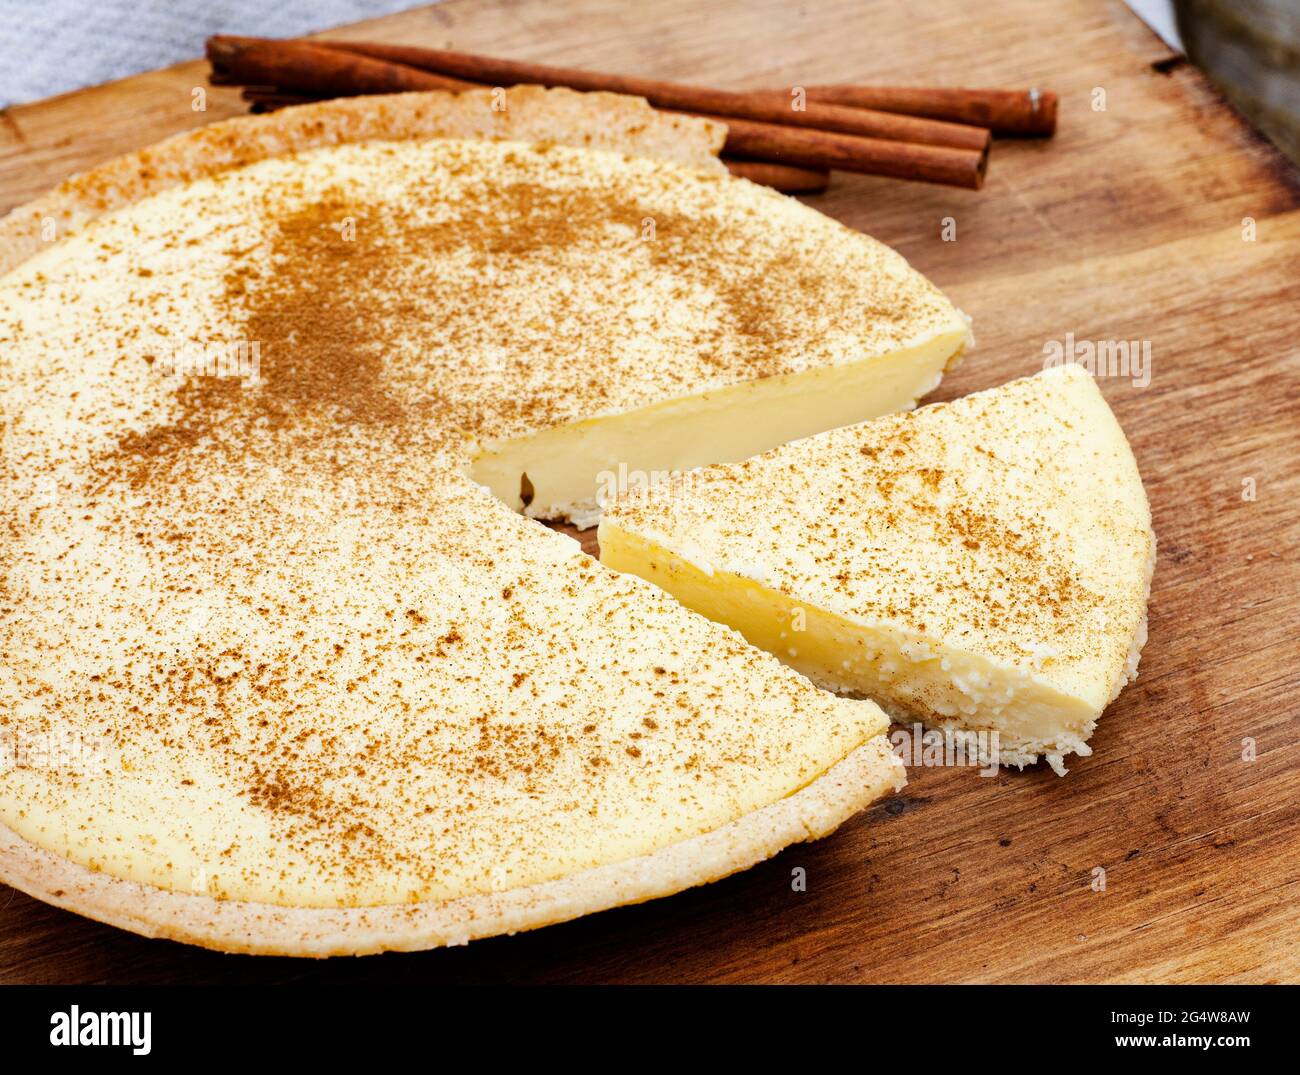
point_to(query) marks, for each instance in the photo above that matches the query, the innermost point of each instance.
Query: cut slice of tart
(980, 565)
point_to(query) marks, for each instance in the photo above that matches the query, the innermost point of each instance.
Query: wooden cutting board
(1130, 225)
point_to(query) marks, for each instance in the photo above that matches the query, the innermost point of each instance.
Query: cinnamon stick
(871, 156)
(786, 178)
(1018, 112)
(761, 106)
(305, 68)
(298, 68)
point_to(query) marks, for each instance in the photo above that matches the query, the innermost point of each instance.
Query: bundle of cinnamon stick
(788, 139)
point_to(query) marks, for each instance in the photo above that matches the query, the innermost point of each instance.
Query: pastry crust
(867, 773)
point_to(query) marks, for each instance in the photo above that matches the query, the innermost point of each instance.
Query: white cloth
(53, 46)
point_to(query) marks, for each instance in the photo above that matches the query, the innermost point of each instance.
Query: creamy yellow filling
(571, 468)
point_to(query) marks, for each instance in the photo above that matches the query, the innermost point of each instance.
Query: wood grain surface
(1129, 225)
